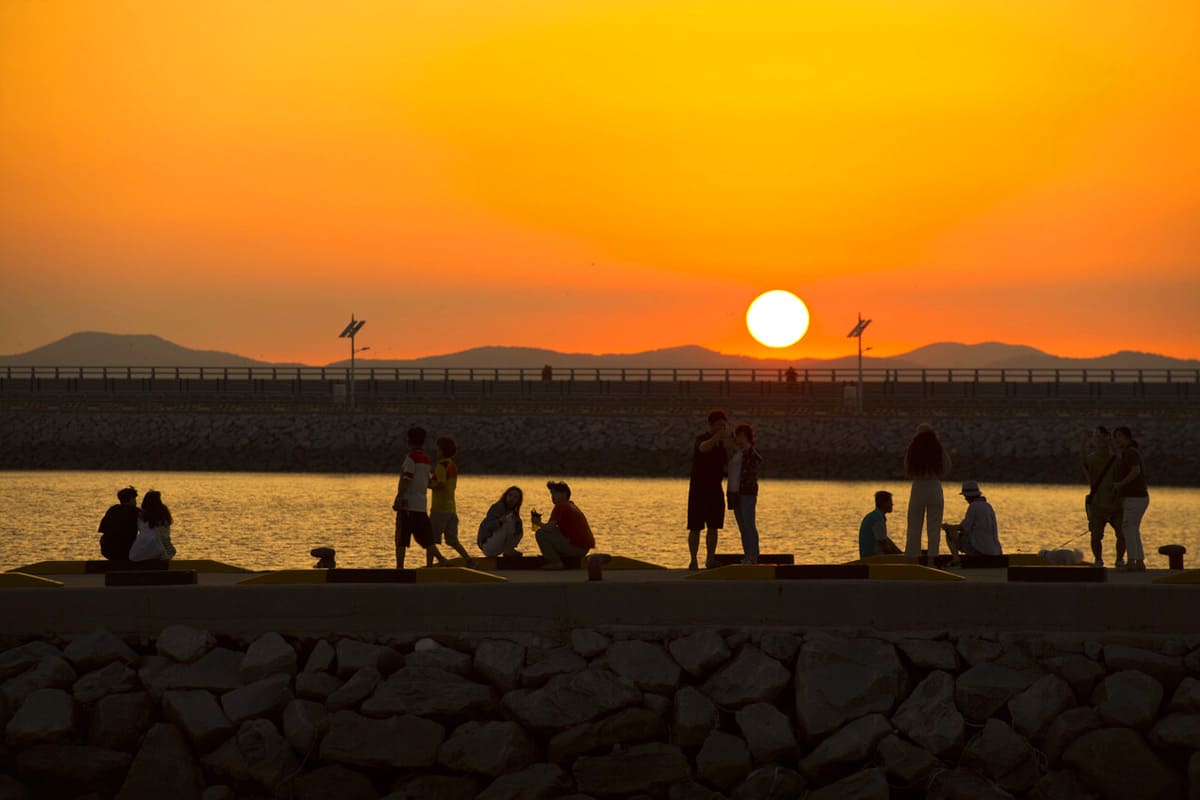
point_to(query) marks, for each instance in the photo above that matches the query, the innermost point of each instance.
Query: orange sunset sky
(600, 175)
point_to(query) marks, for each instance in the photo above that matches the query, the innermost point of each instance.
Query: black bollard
(326, 556)
(1174, 554)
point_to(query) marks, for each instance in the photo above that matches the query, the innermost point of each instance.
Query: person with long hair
(154, 531)
(501, 530)
(925, 464)
(1130, 485)
(742, 489)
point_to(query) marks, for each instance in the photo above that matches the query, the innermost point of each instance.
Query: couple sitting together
(129, 533)
(566, 534)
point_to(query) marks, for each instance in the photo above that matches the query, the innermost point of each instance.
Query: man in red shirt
(567, 533)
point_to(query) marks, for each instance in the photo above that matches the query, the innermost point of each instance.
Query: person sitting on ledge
(153, 541)
(567, 533)
(119, 527)
(872, 532)
(977, 534)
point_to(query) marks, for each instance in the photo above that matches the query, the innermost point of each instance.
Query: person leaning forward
(119, 527)
(567, 533)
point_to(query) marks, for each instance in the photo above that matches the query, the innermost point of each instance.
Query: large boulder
(536, 782)
(627, 726)
(1167, 670)
(700, 652)
(963, 784)
(113, 678)
(218, 670)
(1081, 672)
(353, 655)
(1117, 764)
(334, 781)
(641, 768)
(486, 748)
(46, 717)
(50, 672)
(723, 760)
(322, 658)
(1061, 784)
(1129, 699)
(928, 655)
(259, 699)
(118, 721)
(304, 723)
(571, 699)
(198, 715)
(646, 664)
(1004, 756)
(767, 731)
(695, 716)
(838, 680)
(771, 782)
(868, 784)
(423, 692)
(500, 662)
(163, 767)
(1069, 726)
(255, 754)
(556, 661)
(1178, 731)
(183, 643)
(432, 653)
(844, 750)
(359, 687)
(929, 716)
(983, 689)
(1039, 705)
(402, 741)
(904, 762)
(70, 770)
(268, 655)
(588, 643)
(96, 649)
(1186, 699)
(751, 677)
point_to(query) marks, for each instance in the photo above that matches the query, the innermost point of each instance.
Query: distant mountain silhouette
(94, 349)
(140, 350)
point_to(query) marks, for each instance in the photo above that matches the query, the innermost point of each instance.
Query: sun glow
(777, 318)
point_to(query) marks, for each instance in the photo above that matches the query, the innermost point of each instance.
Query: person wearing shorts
(412, 523)
(443, 513)
(706, 497)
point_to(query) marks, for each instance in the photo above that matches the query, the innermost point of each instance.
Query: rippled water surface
(272, 520)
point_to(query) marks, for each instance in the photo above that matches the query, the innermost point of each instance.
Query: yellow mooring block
(20, 580)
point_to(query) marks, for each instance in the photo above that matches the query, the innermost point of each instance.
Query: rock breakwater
(1030, 448)
(699, 713)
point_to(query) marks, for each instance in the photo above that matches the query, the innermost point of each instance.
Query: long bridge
(779, 389)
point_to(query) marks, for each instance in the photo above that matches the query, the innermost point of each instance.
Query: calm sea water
(272, 520)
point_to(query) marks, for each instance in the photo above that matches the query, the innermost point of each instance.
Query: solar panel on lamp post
(349, 332)
(857, 332)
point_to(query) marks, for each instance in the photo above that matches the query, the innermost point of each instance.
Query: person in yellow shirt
(443, 514)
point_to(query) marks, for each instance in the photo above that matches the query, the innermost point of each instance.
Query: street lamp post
(857, 332)
(349, 332)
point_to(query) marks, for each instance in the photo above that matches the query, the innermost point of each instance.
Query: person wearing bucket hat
(977, 534)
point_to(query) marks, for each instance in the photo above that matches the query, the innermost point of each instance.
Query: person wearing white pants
(925, 463)
(1130, 485)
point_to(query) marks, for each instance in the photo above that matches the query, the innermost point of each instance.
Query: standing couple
(716, 454)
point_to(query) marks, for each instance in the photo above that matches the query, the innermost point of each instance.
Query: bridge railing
(606, 374)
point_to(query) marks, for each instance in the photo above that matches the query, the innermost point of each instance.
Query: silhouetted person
(119, 527)
(154, 531)
(873, 537)
(412, 523)
(977, 534)
(501, 530)
(742, 489)
(567, 533)
(706, 499)
(925, 462)
(1103, 507)
(1130, 485)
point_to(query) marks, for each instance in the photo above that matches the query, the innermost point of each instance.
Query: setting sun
(777, 318)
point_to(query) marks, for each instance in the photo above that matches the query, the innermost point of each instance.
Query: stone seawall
(1025, 448)
(601, 712)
